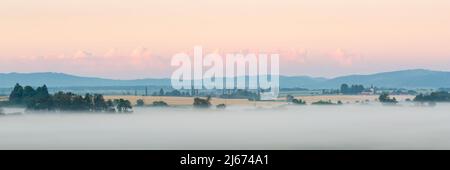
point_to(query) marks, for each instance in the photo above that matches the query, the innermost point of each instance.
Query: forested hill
(418, 78)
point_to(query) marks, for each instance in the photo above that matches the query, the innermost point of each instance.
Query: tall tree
(89, 101)
(344, 89)
(384, 98)
(41, 100)
(99, 103)
(161, 92)
(123, 105)
(16, 95)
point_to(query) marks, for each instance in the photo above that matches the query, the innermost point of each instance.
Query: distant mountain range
(418, 78)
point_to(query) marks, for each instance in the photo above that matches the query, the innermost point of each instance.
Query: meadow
(187, 101)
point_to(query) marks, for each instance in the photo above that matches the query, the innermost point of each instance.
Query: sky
(137, 38)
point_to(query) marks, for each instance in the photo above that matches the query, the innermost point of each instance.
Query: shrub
(160, 104)
(298, 102)
(202, 103)
(140, 103)
(221, 106)
(322, 102)
(384, 98)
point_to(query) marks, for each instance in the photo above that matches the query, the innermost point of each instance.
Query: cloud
(81, 55)
(294, 56)
(343, 58)
(136, 63)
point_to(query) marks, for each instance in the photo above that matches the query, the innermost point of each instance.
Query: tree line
(40, 99)
(171, 93)
(353, 89)
(440, 96)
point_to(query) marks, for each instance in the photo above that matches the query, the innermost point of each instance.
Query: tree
(42, 100)
(140, 103)
(241, 94)
(202, 103)
(298, 102)
(99, 103)
(221, 106)
(329, 102)
(16, 95)
(78, 104)
(344, 89)
(110, 106)
(28, 94)
(160, 104)
(384, 98)
(123, 105)
(28, 91)
(440, 96)
(161, 92)
(354, 89)
(63, 101)
(289, 98)
(174, 93)
(89, 101)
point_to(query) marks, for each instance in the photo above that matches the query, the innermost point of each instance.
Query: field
(185, 101)
(351, 98)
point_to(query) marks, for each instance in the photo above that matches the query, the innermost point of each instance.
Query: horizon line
(168, 78)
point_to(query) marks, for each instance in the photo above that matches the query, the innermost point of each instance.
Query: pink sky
(137, 38)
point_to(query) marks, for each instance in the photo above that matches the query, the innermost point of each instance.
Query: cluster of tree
(298, 102)
(291, 99)
(171, 93)
(140, 103)
(221, 106)
(384, 98)
(40, 99)
(441, 96)
(160, 104)
(27, 95)
(202, 103)
(330, 91)
(444, 89)
(123, 105)
(329, 102)
(354, 89)
(294, 89)
(241, 94)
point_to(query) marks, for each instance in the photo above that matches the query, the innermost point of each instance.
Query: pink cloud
(343, 58)
(293, 56)
(139, 63)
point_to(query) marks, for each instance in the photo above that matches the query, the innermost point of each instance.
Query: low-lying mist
(290, 127)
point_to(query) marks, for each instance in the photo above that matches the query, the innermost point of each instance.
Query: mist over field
(352, 126)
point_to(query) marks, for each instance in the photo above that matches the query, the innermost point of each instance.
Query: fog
(289, 127)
